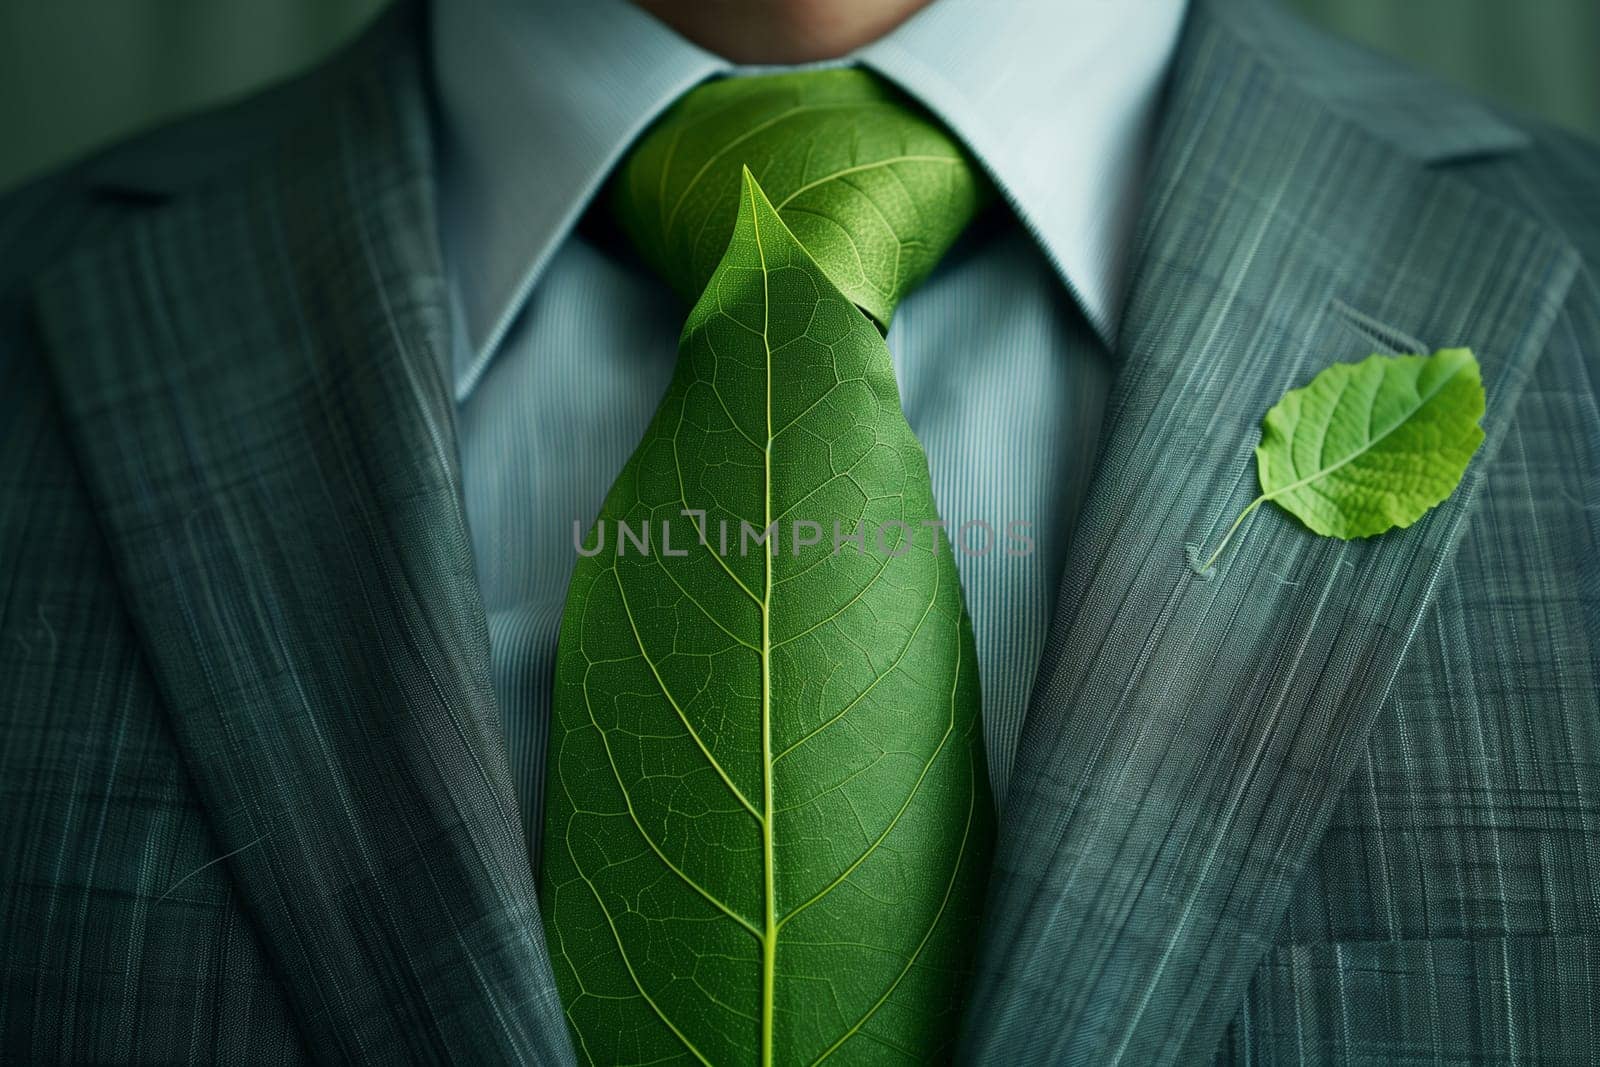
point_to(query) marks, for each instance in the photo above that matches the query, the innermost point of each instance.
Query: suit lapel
(252, 378)
(1188, 737)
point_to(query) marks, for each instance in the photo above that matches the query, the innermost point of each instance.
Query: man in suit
(282, 391)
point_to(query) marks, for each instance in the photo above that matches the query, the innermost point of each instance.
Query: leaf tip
(747, 179)
(754, 195)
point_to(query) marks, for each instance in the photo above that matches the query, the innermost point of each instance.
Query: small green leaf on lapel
(1369, 446)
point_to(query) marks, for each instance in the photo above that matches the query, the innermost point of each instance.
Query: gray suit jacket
(1341, 801)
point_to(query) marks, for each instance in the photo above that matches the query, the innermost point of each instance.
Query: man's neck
(782, 31)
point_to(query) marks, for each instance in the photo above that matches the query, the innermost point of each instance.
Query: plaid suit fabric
(123, 936)
(1338, 804)
(1188, 802)
(329, 794)
(1452, 910)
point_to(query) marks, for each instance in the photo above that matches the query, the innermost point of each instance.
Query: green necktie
(768, 821)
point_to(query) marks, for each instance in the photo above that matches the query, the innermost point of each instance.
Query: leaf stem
(1248, 508)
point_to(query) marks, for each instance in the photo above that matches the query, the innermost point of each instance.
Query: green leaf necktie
(768, 821)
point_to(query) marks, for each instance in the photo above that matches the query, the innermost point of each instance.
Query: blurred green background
(75, 74)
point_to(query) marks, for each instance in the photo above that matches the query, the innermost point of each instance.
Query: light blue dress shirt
(565, 344)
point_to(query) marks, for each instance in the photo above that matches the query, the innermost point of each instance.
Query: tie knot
(872, 187)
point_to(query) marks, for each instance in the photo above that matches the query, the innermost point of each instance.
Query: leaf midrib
(769, 942)
(1372, 442)
(887, 161)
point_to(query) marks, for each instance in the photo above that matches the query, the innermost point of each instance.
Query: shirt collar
(541, 98)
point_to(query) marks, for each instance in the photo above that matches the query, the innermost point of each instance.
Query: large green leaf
(769, 823)
(1370, 446)
(873, 190)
